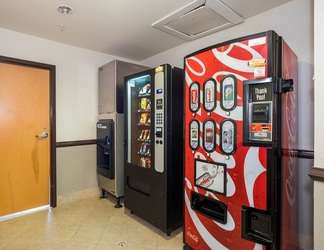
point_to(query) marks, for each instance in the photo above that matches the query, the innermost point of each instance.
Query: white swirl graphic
(230, 186)
(203, 68)
(199, 155)
(234, 63)
(188, 183)
(252, 169)
(217, 157)
(257, 247)
(224, 73)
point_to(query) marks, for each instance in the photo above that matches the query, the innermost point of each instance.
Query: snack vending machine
(240, 138)
(154, 146)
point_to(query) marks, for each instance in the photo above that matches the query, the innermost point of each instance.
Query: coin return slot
(213, 209)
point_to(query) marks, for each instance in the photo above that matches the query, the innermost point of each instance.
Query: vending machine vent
(198, 18)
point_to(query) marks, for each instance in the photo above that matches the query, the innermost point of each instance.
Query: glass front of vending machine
(139, 121)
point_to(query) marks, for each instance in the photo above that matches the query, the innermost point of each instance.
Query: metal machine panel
(115, 185)
(111, 85)
(159, 122)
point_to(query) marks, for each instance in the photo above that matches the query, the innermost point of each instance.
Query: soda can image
(209, 95)
(228, 92)
(228, 85)
(194, 97)
(228, 139)
(194, 134)
(204, 180)
(209, 142)
(209, 135)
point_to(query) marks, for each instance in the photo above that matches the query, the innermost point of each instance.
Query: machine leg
(118, 205)
(103, 192)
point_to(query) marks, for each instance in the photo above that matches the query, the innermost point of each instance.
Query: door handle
(43, 135)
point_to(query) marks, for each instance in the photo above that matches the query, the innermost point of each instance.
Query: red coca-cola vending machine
(240, 140)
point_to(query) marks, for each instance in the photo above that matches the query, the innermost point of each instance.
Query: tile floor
(85, 225)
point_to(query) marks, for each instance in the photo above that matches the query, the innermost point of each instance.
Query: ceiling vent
(198, 18)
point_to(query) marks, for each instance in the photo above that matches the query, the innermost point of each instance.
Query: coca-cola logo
(291, 121)
(193, 237)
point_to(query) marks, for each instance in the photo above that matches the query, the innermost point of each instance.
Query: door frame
(52, 113)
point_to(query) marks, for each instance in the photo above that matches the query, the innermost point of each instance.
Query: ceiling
(122, 28)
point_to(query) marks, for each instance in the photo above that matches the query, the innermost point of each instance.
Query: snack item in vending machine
(144, 148)
(145, 90)
(142, 162)
(148, 163)
(146, 134)
(148, 120)
(143, 119)
(140, 149)
(145, 162)
(143, 103)
(148, 106)
(141, 135)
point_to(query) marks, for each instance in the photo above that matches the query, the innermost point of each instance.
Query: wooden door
(24, 147)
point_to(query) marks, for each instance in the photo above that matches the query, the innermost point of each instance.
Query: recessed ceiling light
(64, 9)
